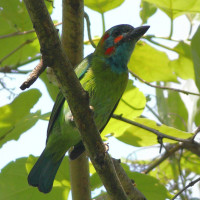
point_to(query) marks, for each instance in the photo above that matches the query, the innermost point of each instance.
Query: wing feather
(80, 70)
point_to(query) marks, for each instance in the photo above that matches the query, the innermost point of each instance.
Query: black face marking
(120, 30)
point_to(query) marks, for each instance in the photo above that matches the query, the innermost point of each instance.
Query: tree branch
(162, 87)
(158, 133)
(33, 75)
(132, 192)
(22, 33)
(54, 56)
(72, 41)
(167, 154)
(187, 186)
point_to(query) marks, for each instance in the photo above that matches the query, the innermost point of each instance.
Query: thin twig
(195, 133)
(14, 68)
(164, 157)
(88, 29)
(23, 32)
(189, 185)
(155, 114)
(19, 47)
(158, 133)
(163, 87)
(33, 75)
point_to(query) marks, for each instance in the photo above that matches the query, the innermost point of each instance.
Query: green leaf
(147, 11)
(190, 162)
(178, 113)
(130, 106)
(167, 170)
(172, 110)
(136, 136)
(196, 56)
(151, 64)
(14, 18)
(175, 8)
(14, 185)
(16, 118)
(183, 66)
(162, 109)
(148, 185)
(103, 6)
(52, 89)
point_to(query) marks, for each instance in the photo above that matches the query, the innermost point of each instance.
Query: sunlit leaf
(136, 136)
(16, 118)
(102, 6)
(172, 110)
(14, 185)
(151, 64)
(14, 18)
(183, 66)
(147, 11)
(175, 8)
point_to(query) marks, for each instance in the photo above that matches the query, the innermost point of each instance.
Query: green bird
(104, 75)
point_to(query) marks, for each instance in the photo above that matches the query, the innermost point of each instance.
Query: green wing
(80, 70)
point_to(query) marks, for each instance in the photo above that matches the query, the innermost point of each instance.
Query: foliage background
(170, 36)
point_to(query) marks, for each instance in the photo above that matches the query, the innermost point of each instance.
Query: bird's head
(117, 44)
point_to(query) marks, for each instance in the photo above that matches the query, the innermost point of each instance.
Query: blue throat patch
(119, 60)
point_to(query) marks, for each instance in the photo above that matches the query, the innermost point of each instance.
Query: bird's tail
(43, 172)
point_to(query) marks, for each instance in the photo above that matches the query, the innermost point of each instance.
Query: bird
(104, 75)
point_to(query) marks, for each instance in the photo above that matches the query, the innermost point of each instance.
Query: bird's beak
(137, 33)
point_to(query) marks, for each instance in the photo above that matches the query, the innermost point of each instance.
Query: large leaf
(183, 66)
(196, 56)
(172, 110)
(14, 185)
(147, 11)
(178, 113)
(14, 18)
(167, 170)
(175, 8)
(102, 6)
(16, 118)
(136, 136)
(130, 106)
(190, 162)
(151, 64)
(148, 185)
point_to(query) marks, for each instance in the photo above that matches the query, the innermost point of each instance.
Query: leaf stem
(171, 21)
(103, 22)
(163, 87)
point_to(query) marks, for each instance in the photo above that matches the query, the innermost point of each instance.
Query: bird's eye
(115, 33)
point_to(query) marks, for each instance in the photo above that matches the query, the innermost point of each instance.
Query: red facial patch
(104, 38)
(117, 39)
(109, 50)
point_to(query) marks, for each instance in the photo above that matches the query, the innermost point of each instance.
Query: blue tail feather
(43, 173)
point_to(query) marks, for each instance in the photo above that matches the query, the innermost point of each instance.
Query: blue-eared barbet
(104, 75)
